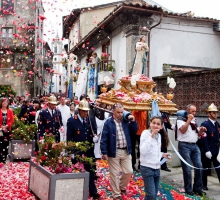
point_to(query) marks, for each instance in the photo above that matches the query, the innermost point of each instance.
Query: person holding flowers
(6, 122)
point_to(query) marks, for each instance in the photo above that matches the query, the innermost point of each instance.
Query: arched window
(55, 49)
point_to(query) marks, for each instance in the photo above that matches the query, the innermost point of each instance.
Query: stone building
(21, 46)
(59, 76)
(174, 38)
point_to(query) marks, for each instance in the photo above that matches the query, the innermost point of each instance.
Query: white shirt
(189, 136)
(65, 113)
(212, 121)
(51, 112)
(150, 150)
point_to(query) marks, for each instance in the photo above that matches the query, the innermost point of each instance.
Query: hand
(62, 130)
(131, 118)
(190, 117)
(218, 157)
(95, 139)
(154, 132)
(4, 128)
(167, 155)
(202, 129)
(105, 157)
(208, 154)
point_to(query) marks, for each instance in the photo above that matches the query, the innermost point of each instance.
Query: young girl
(150, 155)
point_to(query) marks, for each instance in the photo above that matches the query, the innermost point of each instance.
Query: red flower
(43, 157)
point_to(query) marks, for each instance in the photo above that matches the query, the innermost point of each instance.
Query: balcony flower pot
(166, 69)
(48, 186)
(19, 149)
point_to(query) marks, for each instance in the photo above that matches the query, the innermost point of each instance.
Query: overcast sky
(55, 9)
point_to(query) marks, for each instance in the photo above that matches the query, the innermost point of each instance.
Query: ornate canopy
(137, 95)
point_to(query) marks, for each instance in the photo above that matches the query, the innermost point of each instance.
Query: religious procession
(115, 113)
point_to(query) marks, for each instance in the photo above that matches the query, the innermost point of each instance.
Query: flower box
(19, 149)
(48, 186)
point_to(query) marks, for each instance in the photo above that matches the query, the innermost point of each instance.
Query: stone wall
(193, 88)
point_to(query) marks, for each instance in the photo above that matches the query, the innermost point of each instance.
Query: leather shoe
(134, 168)
(118, 198)
(166, 169)
(123, 192)
(200, 193)
(190, 193)
(205, 188)
(95, 196)
(96, 177)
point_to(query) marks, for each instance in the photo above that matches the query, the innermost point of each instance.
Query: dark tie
(84, 122)
(52, 114)
(216, 125)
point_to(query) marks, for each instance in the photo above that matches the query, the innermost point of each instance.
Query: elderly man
(82, 128)
(116, 148)
(50, 119)
(187, 135)
(210, 144)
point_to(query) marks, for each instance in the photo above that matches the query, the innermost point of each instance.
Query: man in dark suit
(50, 119)
(210, 144)
(82, 128)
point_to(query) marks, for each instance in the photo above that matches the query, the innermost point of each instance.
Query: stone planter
(18, 149)
(66, 186)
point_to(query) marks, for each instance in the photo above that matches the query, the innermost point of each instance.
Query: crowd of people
(116, 133)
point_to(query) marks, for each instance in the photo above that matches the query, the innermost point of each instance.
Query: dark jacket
(49, 124)
(211, 141)
(79, 132)
(108, 139)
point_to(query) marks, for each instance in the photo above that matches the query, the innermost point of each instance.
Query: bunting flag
(70, 90)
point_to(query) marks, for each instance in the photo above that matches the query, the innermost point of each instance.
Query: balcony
(6, 42)
(47, 63)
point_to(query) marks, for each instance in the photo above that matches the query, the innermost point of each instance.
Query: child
(150, 155)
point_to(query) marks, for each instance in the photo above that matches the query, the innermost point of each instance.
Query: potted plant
(52, 170)
(22, 144)
(166, 69)
(104, 57)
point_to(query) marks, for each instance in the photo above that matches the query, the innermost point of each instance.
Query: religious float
(136, 93)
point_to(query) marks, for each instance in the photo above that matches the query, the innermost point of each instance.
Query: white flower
(168, 79)
(172, 83)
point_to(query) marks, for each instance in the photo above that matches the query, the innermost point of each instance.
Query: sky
(55, 9)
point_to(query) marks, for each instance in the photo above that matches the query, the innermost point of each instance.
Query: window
(55, 59)
(7, 32)
(105, 47)
(7, 6)
(55, 49)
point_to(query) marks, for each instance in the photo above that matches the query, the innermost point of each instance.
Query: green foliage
(21, 131)
(7, 91)
(17, 111)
